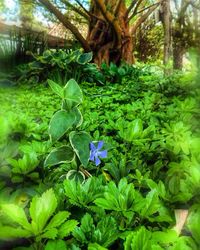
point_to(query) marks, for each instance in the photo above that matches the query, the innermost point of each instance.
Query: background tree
(186, 29)
(112, 26)
(149, 40)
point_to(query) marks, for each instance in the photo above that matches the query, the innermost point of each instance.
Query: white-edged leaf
(56, 88)
(63, 154)
(60, 123)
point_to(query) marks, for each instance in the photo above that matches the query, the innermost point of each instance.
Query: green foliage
(193, 223)
(83, 195)
(103, 233)
(150, 127)
(121, 198)
(68, 118)
(143, 239)
(60, 66)
(43, 223)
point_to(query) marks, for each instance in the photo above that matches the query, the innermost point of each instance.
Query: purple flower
(95, 152)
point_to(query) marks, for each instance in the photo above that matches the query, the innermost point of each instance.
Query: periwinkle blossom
(96, 153)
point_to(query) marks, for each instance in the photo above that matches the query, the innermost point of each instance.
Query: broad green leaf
(136, 128)
(56, 88)
(85, 58)
(72, 94)
(79, 117)
(75, 175)
(151, 204)
(80, 143)
(41, 209)
(63, 154)
(166, 237)
(7, 232)
(60, 123)
(58, 219)
(16, 214)
(55, 245)
(66, 228)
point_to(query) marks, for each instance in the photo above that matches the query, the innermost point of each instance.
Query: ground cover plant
(92, 166)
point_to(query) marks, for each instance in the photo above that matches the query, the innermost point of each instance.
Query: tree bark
(109, 34)
(178, 53)
(166, 20)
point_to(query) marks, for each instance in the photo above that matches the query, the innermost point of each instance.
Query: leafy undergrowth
(52, 197)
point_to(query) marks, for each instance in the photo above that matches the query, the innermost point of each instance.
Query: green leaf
(72, 93)
(60, 123)
(136, 128)
(151, 204)
(193, 222)
(7, 232)
(75, 175)
(58, 219)
(79, 117)
(55, 245)
(85, 58)
(50, 234)
(63, 154)
(16, 214)
(80, 143)
(66, 228)
(139, 240)
(56, 88)
(95, 246)
(41, 209)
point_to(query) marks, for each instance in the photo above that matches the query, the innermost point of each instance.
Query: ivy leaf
(60, 123)
(41, 209)
(72, 94)
(63, 154)
(80, 143)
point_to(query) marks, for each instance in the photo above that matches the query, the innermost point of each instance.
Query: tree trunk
(108, 42)
(166, 20)
(178, 53)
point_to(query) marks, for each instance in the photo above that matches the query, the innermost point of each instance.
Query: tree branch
(110, 18)
(66, 23)
(74, 8)
(146, 8)
(116, 10)
(135, 10)
(80, 4)
(130, 8)
(143, 18)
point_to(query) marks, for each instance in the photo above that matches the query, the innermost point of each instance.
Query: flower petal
(97, 161)
(100, 145)
(102, 154)
(92, 146)
(92, 155)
